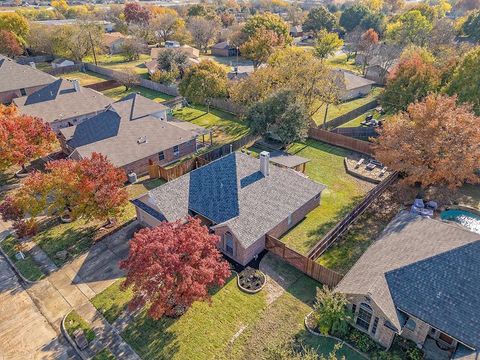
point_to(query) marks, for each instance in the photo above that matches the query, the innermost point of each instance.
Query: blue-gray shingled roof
(232, 191)
(426, 268)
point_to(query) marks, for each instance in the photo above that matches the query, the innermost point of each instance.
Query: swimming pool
(466, 218)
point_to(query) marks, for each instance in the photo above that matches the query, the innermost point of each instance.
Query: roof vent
(265, 163)
(76, 85)
(142, 140)
(32, 64)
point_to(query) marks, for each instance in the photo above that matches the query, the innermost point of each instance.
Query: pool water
(466, 218)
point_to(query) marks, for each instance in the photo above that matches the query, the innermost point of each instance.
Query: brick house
(419, 280)
(20, 80)
(239, 197)
(63, 103)
(133, 132)
(225, 49)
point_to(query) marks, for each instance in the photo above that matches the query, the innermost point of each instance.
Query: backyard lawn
(119, 92)
(85, 78)
(343, 192)
(226, 127)
(117, 62)
(77, 237)
(335, 111)
(340, 62)
(357, 121)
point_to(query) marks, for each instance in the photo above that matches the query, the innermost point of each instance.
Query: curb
(70, 340)
(343, 342)
(15, 269)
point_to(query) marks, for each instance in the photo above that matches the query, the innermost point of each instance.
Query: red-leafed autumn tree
(9, 44)
(434, 143)
(23, 138)
(136, 13)
(172, 265)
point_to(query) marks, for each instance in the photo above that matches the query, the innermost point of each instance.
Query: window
(374, 326)
(229, 243)
(23, 92)
(176, 152)
(354, 309)
(161, 156)
(364, 316)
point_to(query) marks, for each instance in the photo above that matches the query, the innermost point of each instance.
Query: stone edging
(251, 291)
(70, 340)
(343, 342)
(14, 267)
(359, 176)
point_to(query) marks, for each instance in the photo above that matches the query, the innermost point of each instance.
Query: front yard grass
(335, 111)
(112, 301)
(27, 267)
(226, 127)
(73, 322)
(85, 78)
(117, 62)
(119, 92)
(343, 192)
(77, 237)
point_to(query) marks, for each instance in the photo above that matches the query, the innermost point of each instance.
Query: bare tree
(352, 42)
(164, 26)
(203, 31)
(128, 78)
(385, 56)
(443, 33)
(132, 48)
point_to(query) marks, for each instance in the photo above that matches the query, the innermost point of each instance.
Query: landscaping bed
(27, 267)
(343, 192)
(251, 280)
(73, 322)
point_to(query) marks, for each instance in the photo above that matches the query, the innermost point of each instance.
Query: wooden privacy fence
(332, 236)
(361, 133)
(340, 140)
(191, 164)
(304, 264)
(103, 85)
(343, 119)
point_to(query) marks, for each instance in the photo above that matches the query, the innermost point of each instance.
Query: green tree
(320, 18)
(410, 28)
(77, 41)
(16, 24)
(465, 81)
(269, 22)
(280, 115)
(352, 16)
(412, 79)
(260, 46)
(375, 21)
(471, 26)
(204, 81)
(326, 44)
(331, 312)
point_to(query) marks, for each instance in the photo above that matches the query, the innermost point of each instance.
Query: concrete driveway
(24, 331)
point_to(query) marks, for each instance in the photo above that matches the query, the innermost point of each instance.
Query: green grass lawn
(357, 121)
(27, 267)
(43, 66)
(85, 78)
(73, 321)
(343, 192)
(335, 111)
(117, 62)
(112, 301)
(119, 92)
(105, 354)
(77, 237)
(340, 62)
(226, 127)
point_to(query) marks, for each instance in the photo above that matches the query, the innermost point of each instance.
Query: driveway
(24, 331)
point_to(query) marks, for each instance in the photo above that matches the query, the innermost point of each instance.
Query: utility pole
(93, 47)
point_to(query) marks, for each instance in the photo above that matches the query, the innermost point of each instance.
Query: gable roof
(15, 76)
(426, 268)
(119, 131)
(352, 81)
(232, 192)
(61, 100)
(110, 38)
(223, 45)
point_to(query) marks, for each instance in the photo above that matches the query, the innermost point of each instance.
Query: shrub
(414, 353)
(331, 312)
(385, 355)
(165, 77)
(362, 341)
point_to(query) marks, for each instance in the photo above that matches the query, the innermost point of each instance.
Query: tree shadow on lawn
(319, 145)
(152, 339)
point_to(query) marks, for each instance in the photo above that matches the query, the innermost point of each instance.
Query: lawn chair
(432, 205)
(359, 162)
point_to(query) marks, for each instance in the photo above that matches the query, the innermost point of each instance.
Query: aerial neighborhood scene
(240, 179)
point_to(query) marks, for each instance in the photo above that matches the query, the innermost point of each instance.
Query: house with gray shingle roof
(20, 80)
(133, 132)
(353, 86)
(239, 197)
(419, 280)
(63, 103)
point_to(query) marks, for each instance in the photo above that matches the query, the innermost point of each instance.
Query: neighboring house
(193, 56)
(239, 197)
(63, 103)
(113, 42)
(106, 25)
(225, 49)
(19, 80)
(378, 73)
(58, 63)
(296, 31)
(420, 280)
(133, 133)
(353, 86)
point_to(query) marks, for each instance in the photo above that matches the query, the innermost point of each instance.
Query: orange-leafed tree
(9, 44)
(23, 138)
(173, 265)
(367, 45)
(434, 143)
